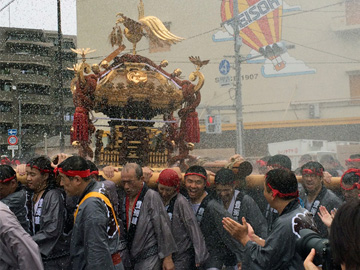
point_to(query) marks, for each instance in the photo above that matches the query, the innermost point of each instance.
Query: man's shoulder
(4, 208)
(54, 194)
(298, 215)
(181, 200)
(109, 184)
(213, 206)
(152, 194)
(330, 196)
(91, 205)
(294, 212)
(15, 197)
(246, 198)
(6, 216)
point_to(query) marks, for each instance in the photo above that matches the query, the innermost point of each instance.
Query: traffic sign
(13, 140)
(224, 67)
(12, 132)
(13, 147)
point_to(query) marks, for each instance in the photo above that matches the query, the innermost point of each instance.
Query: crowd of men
(67, 216)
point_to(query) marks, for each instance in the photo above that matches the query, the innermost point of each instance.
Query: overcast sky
(39, 14)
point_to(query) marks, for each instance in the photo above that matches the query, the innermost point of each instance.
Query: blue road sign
(224, 67)
(12, 132)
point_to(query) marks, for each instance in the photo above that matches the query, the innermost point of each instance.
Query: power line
(318, 50)
(254, 30)
(312, 10)
(8, 4)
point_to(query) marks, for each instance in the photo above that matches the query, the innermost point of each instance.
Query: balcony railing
(6, 95)
(34, 79)
(36, 99)
(36, 119)
(25, 58)
(7, 117)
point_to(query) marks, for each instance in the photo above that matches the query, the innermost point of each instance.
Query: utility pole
(239, 107)
(20, 125)
(60, 83)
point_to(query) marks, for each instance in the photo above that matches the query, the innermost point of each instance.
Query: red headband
(199, 174)
(94, 172)
(261, 163)
(277, 166)
(357, 185)
(309, 171)
(282, 195)
(36, 167)
(82, 174)
(352, 160)
(7, 161)
(169, 178)
(8, 179)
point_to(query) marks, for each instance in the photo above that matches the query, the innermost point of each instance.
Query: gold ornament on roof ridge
(83, 52)
(134, 30)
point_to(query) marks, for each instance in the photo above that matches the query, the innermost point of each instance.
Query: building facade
(307, 86)
(29, 85)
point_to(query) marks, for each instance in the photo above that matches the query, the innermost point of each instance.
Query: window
(352, 8)
(4, 128)
(5, 86)
(36, 37)
(35, 129)
(34, 89)
(69, 115)
(354, 81)
(36, 70)
(68, 45)
(69, 57)
(5, 71)
(28, 49)
(5, 107)
(66, 93)
(68, 74)
(35, 109)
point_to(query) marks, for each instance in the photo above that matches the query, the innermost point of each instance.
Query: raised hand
(325, 216)
(109, 171)
(236, 230)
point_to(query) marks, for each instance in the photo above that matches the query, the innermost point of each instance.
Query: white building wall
(329, 53)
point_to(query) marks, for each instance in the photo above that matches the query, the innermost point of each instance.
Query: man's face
(353, 165)
(68, 184)
(312, 183)
(7, 188)
(350, 194)
(166, 192)
(267, 194)
(195, 186)
(35, 180)
(225, 192)
(132, 185)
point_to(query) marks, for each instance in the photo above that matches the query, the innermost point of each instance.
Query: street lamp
(60, 83)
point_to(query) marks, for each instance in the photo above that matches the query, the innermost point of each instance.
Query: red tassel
(80, 127)
(192, 128)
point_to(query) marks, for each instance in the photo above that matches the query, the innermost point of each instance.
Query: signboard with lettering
(260, 27)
